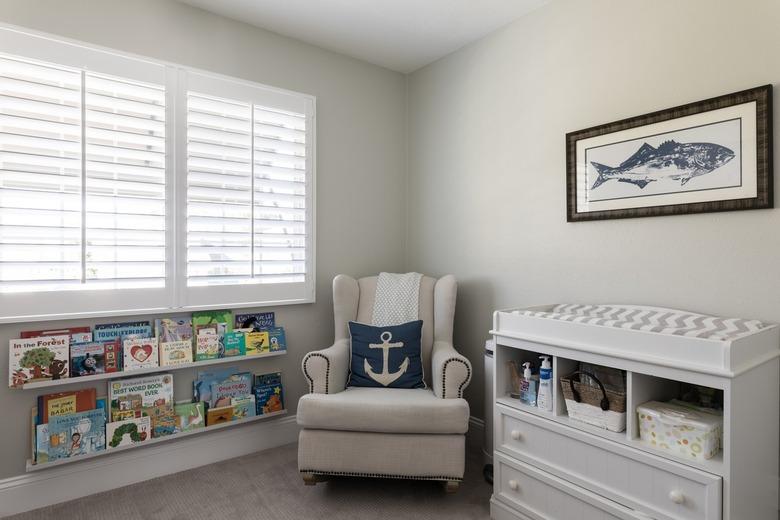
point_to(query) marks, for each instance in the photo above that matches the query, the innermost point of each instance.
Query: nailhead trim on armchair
(444, 377)
(379, 475)
(311, 379)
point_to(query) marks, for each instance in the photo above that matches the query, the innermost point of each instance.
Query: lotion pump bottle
(545, 399)
(528, 386)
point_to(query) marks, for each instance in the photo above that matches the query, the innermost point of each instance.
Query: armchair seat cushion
(384, 410)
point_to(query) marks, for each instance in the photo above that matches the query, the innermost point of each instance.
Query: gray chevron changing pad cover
(651, 319)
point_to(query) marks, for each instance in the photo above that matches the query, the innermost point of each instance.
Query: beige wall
(360, 163)
(487, 162)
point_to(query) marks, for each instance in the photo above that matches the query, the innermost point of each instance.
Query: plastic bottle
(545, 399)
(528, 386)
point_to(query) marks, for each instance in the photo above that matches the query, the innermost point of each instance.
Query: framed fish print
(712, 155)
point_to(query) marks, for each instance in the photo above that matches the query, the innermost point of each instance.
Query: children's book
(128, 432)
(277, 339)
(175, 352)
(127, 397)
(219, 321)
(243, 407)
(173, 329)
(87, 359)
(140, 353)
(201, 386)
(41, 443)
(77, 434)
(101, 403)
(257, 321)
(269, 393)
(257, 343)
(111, 331)
(113, 355)
(206, 346)
(37, 359)
(190, 416)
(76, 334)
(219, 415)
(235, 344)
(163, 419)
(65, 403)
(237, 385)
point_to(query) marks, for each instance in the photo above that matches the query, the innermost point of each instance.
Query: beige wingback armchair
(386, 432)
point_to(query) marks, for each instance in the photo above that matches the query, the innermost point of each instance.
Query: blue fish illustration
(671, 160)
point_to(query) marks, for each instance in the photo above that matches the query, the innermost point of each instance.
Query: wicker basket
(596, 406)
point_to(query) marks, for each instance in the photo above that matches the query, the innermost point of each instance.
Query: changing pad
(651, 319)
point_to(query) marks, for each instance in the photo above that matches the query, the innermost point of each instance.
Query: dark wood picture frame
(764, 168)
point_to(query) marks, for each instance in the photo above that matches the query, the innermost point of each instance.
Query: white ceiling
(402, 35)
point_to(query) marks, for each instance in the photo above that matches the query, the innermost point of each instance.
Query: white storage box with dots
(683, 431)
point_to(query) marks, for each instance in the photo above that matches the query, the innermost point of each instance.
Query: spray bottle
(545, 399)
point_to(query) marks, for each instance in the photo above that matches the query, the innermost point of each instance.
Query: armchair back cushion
(353, 300)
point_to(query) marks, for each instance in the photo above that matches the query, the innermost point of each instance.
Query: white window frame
(175, 296)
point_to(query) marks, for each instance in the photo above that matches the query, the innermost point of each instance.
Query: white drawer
(537, 495)
(644, 482)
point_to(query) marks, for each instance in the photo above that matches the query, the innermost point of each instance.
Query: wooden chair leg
(309, 479)
(451, 486)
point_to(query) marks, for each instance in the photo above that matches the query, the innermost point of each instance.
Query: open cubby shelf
(153, 441)
(151, 370)
(640, 388)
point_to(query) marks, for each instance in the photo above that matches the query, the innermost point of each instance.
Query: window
(128, 185)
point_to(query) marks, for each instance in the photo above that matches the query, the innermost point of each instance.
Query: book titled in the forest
(37, 359)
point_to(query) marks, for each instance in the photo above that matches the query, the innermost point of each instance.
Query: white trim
(44, 488)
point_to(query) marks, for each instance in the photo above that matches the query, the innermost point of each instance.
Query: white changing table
(548, 467)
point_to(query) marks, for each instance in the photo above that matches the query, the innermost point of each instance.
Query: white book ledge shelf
(151, 442)
(548, 465)
(151, 370)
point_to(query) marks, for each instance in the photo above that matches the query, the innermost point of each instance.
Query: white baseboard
(59, 484)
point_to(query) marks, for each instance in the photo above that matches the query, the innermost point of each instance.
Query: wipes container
(681, 430)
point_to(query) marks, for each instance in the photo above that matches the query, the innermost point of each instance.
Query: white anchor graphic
(385, 377)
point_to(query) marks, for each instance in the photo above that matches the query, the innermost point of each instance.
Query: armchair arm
(326, 370)
(451, 371)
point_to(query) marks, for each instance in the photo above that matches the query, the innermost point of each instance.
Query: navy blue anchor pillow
(386, 357)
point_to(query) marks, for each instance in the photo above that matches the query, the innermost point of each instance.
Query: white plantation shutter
(127, 185)
(249, 192)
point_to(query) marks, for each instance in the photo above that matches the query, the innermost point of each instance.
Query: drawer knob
(515, 434)
(676, 496)
(514, 485)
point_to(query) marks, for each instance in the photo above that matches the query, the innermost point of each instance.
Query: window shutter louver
(246, 193)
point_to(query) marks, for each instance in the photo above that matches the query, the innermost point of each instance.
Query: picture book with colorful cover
(127, 397)
(219, 321)
(269, 392)
(76, 334)
(243, 407)
(220, 415)
(257, 321)
(175, 352)
(173, 329)
(201, 386)
(138, 353)
(277, 339)
(41, 443)
(235, 344)
(190, 416)
(65, 403)
(111, 331)
(37, 359)
(163, 419)
(87, 359)
(237, 385)
(77, 434)
(128, 432)
(113, 355)
(207, 346)
(257, 343)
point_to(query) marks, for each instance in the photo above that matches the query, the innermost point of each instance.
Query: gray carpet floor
(267, 486)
